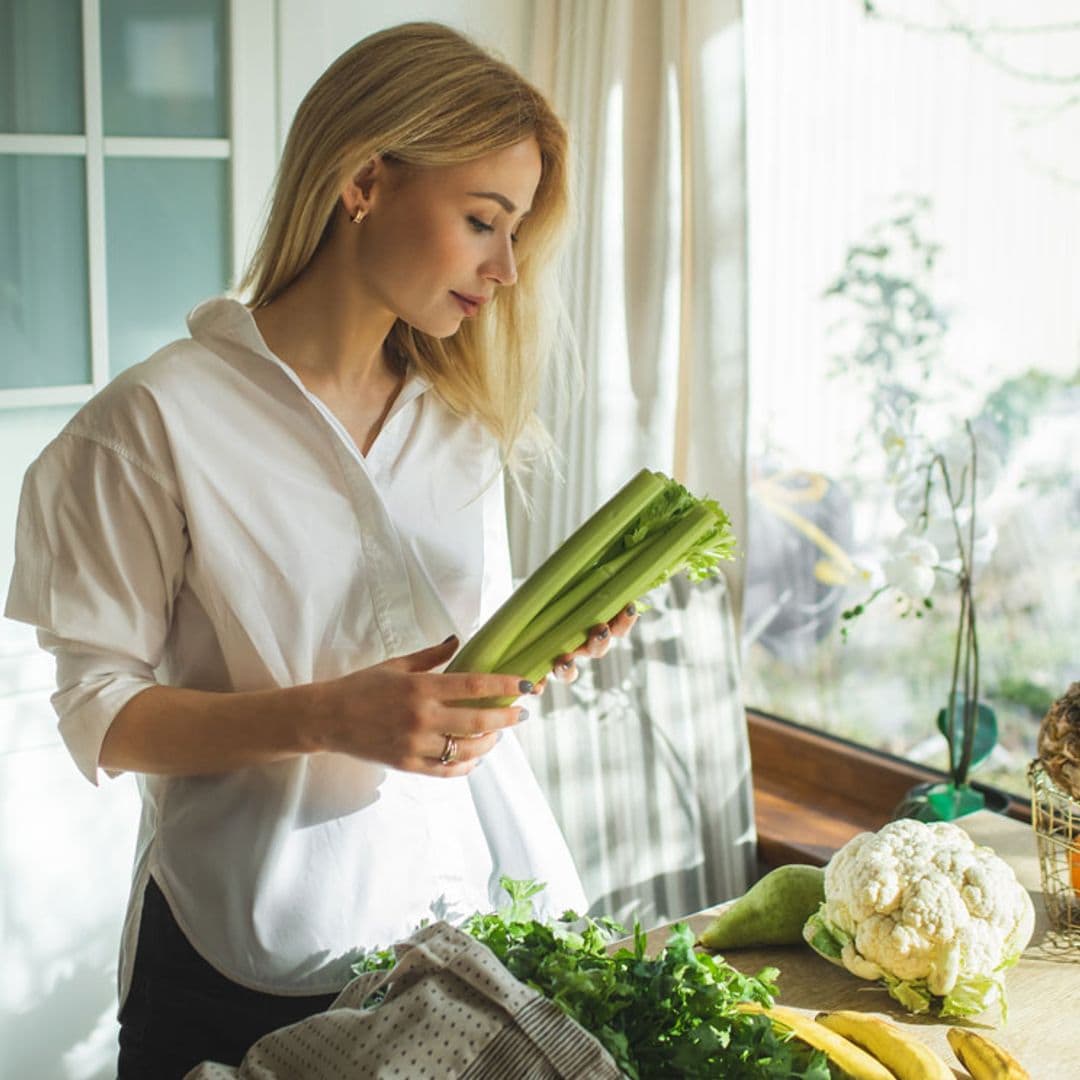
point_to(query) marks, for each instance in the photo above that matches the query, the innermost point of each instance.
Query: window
(130, 160)
(914, 176)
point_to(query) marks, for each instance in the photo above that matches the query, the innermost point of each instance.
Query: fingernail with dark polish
(525, 687)
(452, 637)
(523, 715)
(631, 609)
(603, 632)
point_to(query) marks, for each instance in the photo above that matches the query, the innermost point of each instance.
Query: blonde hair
(424, 95)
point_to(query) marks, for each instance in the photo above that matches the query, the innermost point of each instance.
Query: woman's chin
(438, 326)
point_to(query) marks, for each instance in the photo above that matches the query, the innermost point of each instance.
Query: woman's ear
(358, 194)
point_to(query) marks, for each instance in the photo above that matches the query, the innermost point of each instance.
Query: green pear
(771, 912)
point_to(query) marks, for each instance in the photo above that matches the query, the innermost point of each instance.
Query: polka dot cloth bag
(448, 1008)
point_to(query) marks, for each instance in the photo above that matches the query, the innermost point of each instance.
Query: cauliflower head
(928, 912)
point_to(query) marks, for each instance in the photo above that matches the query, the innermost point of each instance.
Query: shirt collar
(225, 322)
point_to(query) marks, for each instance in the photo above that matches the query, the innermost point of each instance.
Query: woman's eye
(480, 226)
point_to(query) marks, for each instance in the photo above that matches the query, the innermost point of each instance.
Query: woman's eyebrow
(502, 200)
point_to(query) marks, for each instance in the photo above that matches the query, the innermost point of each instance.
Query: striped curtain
(645, 759)
(645, 762)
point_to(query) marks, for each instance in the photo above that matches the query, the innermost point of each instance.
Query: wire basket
(1055, 817)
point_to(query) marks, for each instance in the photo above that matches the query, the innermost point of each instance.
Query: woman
(242, 550)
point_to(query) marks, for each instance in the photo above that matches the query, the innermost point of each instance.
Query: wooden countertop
(1043, 988)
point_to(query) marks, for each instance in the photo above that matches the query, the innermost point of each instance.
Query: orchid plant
(939, 487)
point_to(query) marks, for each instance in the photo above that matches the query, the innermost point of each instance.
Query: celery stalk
(653, 563)
(559, 571)
(572, 598)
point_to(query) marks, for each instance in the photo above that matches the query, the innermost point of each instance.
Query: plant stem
(971, 722)
(955, 680)
(966, 638)
(939, 461)
(971, 674)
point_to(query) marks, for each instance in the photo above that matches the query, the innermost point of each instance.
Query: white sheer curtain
(645, 758)
(656, 276)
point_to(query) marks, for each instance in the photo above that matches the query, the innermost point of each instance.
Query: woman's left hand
(597, 643)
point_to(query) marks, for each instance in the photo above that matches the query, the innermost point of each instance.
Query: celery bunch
(651, 529)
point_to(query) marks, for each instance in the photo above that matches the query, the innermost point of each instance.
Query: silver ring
(449, 754)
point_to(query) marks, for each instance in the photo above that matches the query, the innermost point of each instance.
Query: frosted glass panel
(168, 248)
(38, 37)
(44, 320)
(164, 67)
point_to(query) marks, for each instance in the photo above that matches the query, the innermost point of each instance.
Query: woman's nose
(502, 267)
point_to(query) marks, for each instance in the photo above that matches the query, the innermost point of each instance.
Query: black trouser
(180, 1011)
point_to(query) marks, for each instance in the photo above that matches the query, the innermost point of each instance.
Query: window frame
(814, 791)
(250, 150)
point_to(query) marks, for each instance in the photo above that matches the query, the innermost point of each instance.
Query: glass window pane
(36, 37)
(926, 268)
(168, 248)
(44, 304)
(164, 68)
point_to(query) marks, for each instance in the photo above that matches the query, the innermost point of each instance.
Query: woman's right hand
(401, 711)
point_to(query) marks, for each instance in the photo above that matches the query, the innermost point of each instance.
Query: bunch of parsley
(671, 1015)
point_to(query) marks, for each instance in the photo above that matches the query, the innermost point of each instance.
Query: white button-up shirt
(206, 522)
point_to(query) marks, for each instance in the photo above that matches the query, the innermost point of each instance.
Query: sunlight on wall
(66, 850)
(65, 847)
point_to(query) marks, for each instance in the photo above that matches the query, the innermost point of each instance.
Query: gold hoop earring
(360, 215)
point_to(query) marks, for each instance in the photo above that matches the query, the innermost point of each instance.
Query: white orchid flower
(920, 490)
(897, 447)
(903, 446)
(910, 567)
(956, 453)
(869, 571)
(893, 441)
(921, 487)
(941, 532)
(985, 542)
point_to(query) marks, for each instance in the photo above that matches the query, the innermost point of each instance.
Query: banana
(893, 1047)
(985, 1060)
(848, 1057)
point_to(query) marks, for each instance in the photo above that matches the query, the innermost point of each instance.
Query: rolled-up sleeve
(100, 545)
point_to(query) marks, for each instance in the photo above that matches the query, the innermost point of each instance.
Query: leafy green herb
(520, 908)
(670, 1015)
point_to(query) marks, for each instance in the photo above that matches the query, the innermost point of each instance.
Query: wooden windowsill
(813, 792)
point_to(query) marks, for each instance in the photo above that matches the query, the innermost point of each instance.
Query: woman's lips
(470, 307)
